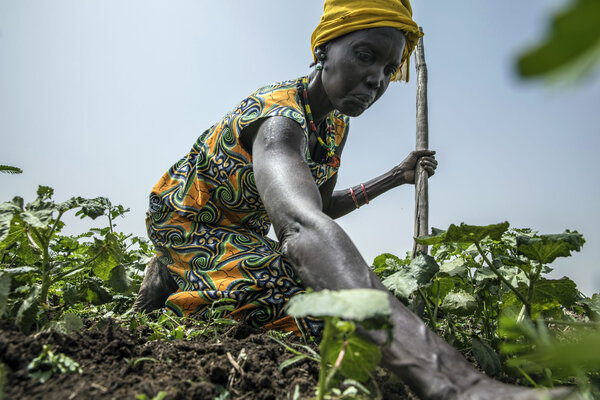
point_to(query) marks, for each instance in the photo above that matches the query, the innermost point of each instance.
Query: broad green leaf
(19, 242)
(475, 233)
(437, 236)
(108, 255)
(440, 288)
(93, 208)
(119, 279)
(386, 264)
(455, 267)
(546, 248)
(514, 275)
(363, 305)
(571, 46)
(38, 218)
(423, 268)
(459, 303)
(486, 356)
(483, 276)
(592, 305)
(4, 291)
(93, 292)
(564, 290)
(549, 295)
(8, 211)
(465, 234)
(27, 313)
(360, 358)
(401, 284)
(417, 274)
(384, 260)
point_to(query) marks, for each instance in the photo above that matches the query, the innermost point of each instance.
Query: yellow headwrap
(344, 16)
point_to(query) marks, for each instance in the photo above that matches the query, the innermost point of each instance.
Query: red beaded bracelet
(353, 197)
(362, 186)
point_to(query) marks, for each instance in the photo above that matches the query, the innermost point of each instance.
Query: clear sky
(100, 97)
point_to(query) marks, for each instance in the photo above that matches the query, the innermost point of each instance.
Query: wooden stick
(421, 187)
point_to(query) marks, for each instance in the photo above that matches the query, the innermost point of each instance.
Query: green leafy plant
(43, 273)
(562, 354)
(167, 326)
(476, 274)
(300, 351)
(342, 350)
(571, 48)
(47, 364)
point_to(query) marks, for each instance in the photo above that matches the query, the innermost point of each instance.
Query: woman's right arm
(320, 251)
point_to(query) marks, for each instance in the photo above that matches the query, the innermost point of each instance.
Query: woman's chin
(352, 110)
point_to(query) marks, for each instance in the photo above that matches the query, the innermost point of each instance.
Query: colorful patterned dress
(209, 225)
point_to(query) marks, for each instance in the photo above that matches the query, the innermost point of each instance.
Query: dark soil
(200, 369)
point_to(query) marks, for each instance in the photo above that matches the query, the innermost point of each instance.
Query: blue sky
(99, 98)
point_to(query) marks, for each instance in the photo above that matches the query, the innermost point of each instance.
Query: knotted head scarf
(345, 16)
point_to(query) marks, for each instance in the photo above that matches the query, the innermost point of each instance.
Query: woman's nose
(374, 79)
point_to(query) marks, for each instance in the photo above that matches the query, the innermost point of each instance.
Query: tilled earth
(119, 364)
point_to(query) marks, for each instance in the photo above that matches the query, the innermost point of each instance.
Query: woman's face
(358, 67)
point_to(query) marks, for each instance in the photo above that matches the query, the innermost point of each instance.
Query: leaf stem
(60, 276)
(60, 214)
(326, 341)
(45, 264)
(532, 281)
(437, 304)
(427, 306)
(501, 277)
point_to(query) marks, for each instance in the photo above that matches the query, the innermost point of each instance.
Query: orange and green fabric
(209, 225)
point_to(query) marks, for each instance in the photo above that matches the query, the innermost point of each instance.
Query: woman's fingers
(429, 164)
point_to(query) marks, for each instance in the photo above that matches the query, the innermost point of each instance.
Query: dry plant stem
(421, 187)
(337, 365)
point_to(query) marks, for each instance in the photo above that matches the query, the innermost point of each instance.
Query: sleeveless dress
(209, 225)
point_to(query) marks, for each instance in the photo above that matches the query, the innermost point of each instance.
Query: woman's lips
(364, 98)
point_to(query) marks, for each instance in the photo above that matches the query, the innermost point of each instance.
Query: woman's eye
(390, 70)
(364, 56)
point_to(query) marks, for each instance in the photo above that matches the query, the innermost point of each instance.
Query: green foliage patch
(488, 297)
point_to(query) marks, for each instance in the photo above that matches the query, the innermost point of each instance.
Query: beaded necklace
(329, 143)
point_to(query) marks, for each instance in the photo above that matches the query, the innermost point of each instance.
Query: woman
(274, 159)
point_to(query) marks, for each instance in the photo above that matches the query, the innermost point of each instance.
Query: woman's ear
(320, 52)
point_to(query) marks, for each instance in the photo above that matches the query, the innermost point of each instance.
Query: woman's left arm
(341, 202)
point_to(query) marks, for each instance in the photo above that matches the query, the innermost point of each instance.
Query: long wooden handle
(421, 187)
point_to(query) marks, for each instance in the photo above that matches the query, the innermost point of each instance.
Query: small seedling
(159, 396)
(47, 364)
(342, 350)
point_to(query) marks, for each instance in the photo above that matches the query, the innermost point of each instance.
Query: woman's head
(341, 17)
(358, 67)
